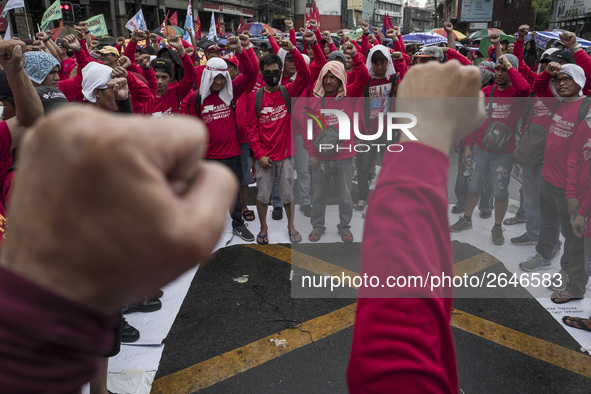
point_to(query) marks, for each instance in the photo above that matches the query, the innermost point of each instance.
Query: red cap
(232, 59)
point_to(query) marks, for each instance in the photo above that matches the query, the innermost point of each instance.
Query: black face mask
(272, 78)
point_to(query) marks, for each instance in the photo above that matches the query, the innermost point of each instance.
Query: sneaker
(457, 209)
(485, 214)
(523, 240)
(461, 225)
(535, 263)
(360, 205)
(147, 305)
(277, 214)
(497, 235)
(128, 333)
(307, 210)
(243, 233)
(559, 281)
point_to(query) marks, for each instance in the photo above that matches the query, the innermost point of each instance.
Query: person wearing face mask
(270, 135)
(215, 103)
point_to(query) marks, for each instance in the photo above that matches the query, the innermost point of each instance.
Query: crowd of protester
(247, 97)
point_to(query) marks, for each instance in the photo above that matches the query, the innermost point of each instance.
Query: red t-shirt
(404, 343)
(561, 134)
(169, 102)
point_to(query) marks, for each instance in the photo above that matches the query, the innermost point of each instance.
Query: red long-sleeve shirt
(402, 343)
(561, 133)
(524, 69)
(169, 102)
(220, 119)
(507, 109)
(271, 135)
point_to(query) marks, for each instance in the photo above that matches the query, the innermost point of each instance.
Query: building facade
(573, 16)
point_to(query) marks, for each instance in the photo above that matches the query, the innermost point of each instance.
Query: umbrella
(542, 38)
(424, 38)
(255, 28)
(62, 32)
(484, 33)
(458, 36)
(485, 43)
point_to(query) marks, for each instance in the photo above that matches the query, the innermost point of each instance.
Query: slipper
(262, 239)
(248, 215)
(577, 320)
(293, 237)
(513, 220)
(316, 234)
(561, 295)
(346, 236)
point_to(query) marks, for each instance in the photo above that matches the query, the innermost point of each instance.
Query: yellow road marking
(229, 364)
(538, 348)
(224, 366)
(302, 260)
(474, 264)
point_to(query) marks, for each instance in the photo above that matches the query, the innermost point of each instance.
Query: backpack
(258, 100)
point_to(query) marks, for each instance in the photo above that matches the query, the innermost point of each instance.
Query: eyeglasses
(567, 80)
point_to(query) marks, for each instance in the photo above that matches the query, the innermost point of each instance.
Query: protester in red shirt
(215, 104)
(169, 98)
(489, 162)
(271, 137)
(333, 92)
(560, 197)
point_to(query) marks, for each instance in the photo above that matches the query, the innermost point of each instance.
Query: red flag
(218, 27)
(307, 18)
(174, 20)
(387, 22)
(197, 28)
(316, 14)
(240, 24)
(164, 23)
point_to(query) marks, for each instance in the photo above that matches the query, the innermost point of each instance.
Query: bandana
(576, 72)
(487, 71)
(95, 76)
(215, 67)
(338, 70)
(38, 65)
(386, 53)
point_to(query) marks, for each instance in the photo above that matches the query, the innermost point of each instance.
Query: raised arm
(26, 100)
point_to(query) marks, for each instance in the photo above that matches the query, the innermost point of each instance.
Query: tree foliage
(542, 10)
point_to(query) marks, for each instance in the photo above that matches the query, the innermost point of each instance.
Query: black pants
(555, 218)
(235, 164)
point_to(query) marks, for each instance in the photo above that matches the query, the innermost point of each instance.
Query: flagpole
(27, 21)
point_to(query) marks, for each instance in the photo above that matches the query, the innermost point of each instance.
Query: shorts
(283, 170)
(495, 166)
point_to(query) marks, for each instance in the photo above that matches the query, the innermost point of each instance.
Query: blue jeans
(495, 167)
(462, 181)
(530, 187)
(275, 197)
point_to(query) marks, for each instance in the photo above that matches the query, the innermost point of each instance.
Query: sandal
(248, 215)
(562, 295)
(346, 235)
(295, 237)
(262, 239)
(316, 234)
(580, 325)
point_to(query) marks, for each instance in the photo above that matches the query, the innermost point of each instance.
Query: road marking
(229, 364)
(474, 264)
(302, 260)
(538, 348)
(234, 362)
